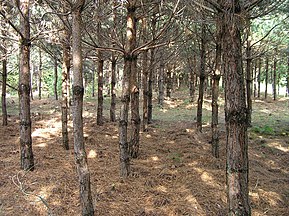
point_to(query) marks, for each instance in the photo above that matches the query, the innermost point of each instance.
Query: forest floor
(174, 175)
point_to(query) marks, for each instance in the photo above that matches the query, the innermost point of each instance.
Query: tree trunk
(126, 89)
(169, 82)
(255, 78)
(113, 70)
(249, 77)
(145, 79)
(235, 114)
(78, 91)
(135, 117)
(32, 72)
(274, 79)
(99, 117)
(4, 82)
(215, 89)
(55, 78)
(150, 86)
(192, 78)
(287, 84)
(151, 70)
(266, 77)
(202, 80)
(93, 82)
(27, 159)
(65, 88)
(259, 77)
(40, 75)
(161, 81)
(113, 93)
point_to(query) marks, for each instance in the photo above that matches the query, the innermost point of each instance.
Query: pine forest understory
(144, 107)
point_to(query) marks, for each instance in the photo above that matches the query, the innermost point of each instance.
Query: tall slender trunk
(259, 77)
(192, 69)
(40, 75)
(26, 153)
(215, 89)
(99, 117)
(169, 82)
(237, 164)
(287, 84)
(32, 72)
(266, 77)
(134, 90)
(65, 88)
(145, 79)
(55, 78)
(93, 82)
(249, 76)
(4, 75)
(78, 91)
(129, 59)
(274, 79)
(202, 79)
(3, 98)
(113, 89)
(151, 70)
(100, 75)
(150, 86)
(113, 70)
(255, 78)
(135, 117)
(161, 81)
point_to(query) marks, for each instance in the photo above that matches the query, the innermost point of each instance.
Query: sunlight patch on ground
(92, 154)
(164, 110)
(162, 189)
(42, 145)
(278, 146)
(155, 158)
(206, 177)
(189, 130)
(271, 197)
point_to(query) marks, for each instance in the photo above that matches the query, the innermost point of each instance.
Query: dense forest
(144, 107)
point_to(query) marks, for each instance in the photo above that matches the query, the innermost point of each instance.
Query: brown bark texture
(215, 89)
(202, 79)
(65, 88)
(235, 113)
(26, 153)
(78, 91)
(3, 98)
(55, 78)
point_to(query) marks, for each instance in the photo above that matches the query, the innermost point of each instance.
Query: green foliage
(176, 157)
(267, 130)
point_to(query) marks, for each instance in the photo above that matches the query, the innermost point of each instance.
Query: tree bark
(161, 81)
(274, 79)
(99, 117)
(259, 78)
(202, 79)
(113, 70)
(40, 76)
(151, 70)
(192, 78)
(249, 75)
(26, 153)
(215, 89)
(55, 78)
(113, 89)
(78, 91)
(169, 81)
(145, 80)
(3, 99)
(235, 113)
(266, 77)
(65, 88)
(287, 84)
